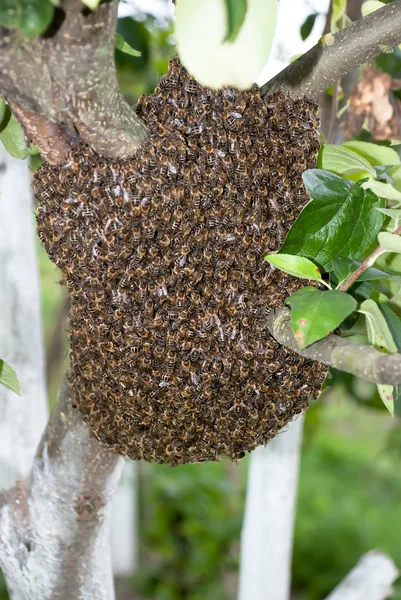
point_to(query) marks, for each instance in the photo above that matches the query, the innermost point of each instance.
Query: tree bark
(54, 527)
(63, 87)
(334, 351)
(338, 54)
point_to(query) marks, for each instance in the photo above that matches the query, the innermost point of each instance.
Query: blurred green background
(190, 517)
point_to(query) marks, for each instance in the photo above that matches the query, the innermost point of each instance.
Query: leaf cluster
(350, 224)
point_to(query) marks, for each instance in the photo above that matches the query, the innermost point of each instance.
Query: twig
(338, 54)
(343, 354)
(365, 265)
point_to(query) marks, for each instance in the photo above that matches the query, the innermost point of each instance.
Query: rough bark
(343, 354)
(338, 54)
(266, 541)
(54, 528)
(63, 87)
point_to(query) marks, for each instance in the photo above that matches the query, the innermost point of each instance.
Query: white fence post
(267, 534)
(22, 419)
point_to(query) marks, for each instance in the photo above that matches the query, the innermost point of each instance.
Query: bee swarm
(163, 257)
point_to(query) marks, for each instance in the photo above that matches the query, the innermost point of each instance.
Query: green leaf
(344, 267)
(8, 377)
(10, 13)
(35, 162)
(381, 189)
(378, 332)
(307, 26)
(295, 265)
(370, 6)
(390, 242)
(123, 46)
(344, 162)
(315, 314)
(92, 4)
(378, 155)
(337, 15)
(36, 16)
(391, 212)
(339, 222)
(31, 17)
(236, 13)
(378, 318)
(12, 137)
(324, 185)
(393, 324)
(2, 109)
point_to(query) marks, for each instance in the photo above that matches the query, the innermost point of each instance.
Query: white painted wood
(267, 534)
(370, 579)
(124, 523)
(22, 419)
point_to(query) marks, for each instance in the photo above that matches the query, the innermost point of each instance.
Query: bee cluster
(163, 257)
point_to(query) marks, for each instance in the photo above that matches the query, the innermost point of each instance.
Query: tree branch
(343, 354)
(65, 84)
(338, 54)
(370, 579)
(54, 528)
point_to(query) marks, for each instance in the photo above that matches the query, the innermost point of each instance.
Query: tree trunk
(22, 419)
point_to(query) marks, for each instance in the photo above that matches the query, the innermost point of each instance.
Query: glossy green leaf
(344, 267)
(307, 25)
(236, 13)
(2, 110)
(123, 46)
(316, 314)
(12, 137)
(325, 186)
(389, 242)
(297, 266)
(36, 16)
(339, 222)
(8, 377)
(344, 162)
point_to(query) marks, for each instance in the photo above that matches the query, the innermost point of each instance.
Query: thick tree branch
(54, 534)
(337, 55)
(65, 84)
(334, 351)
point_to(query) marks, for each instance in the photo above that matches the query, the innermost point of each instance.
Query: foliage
(12, 136)
(191, 520)
(8, 377)
(351, 221)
